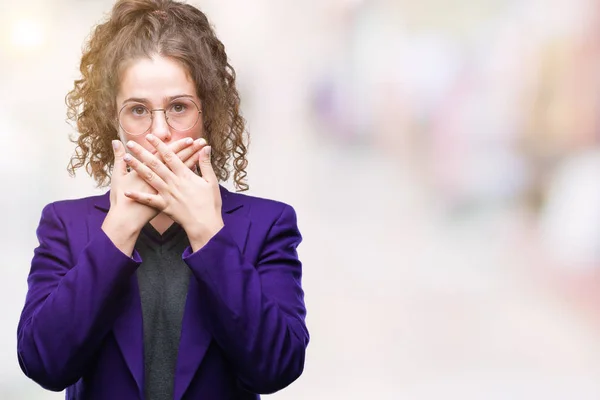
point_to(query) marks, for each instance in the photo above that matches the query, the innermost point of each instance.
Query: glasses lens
(182, 114)
(135, 119)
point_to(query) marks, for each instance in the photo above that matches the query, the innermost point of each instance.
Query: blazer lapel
(128, 331)
(128, 327)
(195, 337)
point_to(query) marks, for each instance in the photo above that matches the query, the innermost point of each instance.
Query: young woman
(168, 286)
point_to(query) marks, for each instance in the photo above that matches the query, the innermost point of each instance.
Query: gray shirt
(163, 280)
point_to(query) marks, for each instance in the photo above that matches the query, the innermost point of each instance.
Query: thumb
(120, 167)
(205, 165)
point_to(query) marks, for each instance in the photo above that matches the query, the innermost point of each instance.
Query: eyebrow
(168, 99)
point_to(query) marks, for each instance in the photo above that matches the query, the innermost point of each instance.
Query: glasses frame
(152, 110)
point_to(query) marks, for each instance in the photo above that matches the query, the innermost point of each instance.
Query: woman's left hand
(190, 200)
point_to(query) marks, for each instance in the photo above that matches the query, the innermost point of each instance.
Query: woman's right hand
(126, 217)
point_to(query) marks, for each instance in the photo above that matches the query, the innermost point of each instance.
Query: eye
(138, 110)
(179, 108)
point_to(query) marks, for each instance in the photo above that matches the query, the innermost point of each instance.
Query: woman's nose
(159, 127)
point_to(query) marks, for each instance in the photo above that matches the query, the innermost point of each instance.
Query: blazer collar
(230, 201)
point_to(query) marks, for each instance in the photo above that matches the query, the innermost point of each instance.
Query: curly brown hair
(142, 28)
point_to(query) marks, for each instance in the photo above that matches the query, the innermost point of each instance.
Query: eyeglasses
(181, 115)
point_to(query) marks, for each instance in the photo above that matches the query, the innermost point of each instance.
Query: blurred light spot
(27, 34)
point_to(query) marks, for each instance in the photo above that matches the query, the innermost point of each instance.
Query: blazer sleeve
(69, 308)
(256, 312)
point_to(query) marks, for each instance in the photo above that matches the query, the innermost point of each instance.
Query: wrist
(199, 234)
(117, 223)
(121, 232)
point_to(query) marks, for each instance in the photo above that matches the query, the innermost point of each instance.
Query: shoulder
(257, 208)
(269, 219)
(76, 207)
(67, 218)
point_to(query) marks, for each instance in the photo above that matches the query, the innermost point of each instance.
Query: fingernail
(127, 157)
(115, 144)
(130, 144)
(189, 140)
(207, 150)
(150, 137)
(201, 141)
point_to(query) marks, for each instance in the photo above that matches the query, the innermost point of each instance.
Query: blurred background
(443, 157)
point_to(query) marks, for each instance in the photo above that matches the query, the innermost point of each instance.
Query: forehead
(155, 78)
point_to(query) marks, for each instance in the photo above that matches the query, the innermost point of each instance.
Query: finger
(181, 144)
(206, 168)
(150, 160)
(171, 160)
(192, 162)
(191, 153)
(120, 168)
(145, 172)
(148, 199)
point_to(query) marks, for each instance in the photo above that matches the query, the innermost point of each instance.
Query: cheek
(195, 133)
(198, 131)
